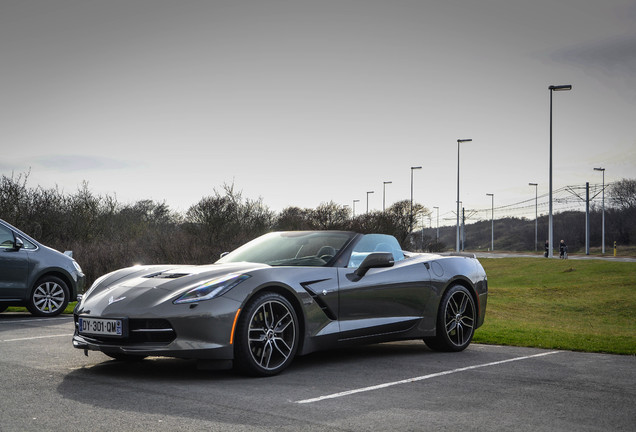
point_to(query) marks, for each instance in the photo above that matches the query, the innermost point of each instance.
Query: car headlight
(77, 266)
(211, 289)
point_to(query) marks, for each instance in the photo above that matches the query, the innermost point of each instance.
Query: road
(50, 386)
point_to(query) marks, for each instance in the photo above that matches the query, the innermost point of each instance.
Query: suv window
(6, 238)
(27, 244)
(375, 243)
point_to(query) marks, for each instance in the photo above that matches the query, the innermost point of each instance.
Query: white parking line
(420, 378)
(37, 337)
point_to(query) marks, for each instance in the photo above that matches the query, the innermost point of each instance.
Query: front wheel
(49, 297)
(455, 321)
(267, 336)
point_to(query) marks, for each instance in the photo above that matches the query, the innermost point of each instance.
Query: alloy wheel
(49, 297)
(272, 335)
(459, 318)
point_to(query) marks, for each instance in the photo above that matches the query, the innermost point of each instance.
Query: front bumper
(179, 349)
(203, 331)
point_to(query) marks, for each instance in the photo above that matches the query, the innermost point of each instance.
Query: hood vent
(162, 275)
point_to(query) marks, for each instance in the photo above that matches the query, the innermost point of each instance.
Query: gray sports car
(281, 295)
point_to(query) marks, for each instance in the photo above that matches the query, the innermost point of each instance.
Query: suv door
(14, 266)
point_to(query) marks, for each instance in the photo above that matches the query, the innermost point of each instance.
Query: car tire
(267, 336)
(456, 320)
(49, 297)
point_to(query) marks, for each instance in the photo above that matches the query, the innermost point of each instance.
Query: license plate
(100, 326)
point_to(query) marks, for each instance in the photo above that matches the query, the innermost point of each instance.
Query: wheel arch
(466, 283)
(58, 274)
(440, 341)
(290, 296)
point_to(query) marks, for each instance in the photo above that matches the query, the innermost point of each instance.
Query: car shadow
(151, 369)
(174, 370)
(142, 386)
(376, 353)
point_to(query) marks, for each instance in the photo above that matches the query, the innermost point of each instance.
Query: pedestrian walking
(563, 250)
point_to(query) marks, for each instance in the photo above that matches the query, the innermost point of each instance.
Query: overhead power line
(567, 198)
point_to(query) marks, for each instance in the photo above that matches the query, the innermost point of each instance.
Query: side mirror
(18, 243)
(374, 260)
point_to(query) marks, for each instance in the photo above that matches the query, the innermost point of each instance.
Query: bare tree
(622, 194)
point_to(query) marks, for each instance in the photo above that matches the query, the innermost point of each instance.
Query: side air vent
(319, 301)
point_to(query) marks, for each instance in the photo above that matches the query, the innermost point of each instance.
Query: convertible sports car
(281, 295)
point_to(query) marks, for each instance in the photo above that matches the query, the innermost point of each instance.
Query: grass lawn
(572, 304)
(68, 310)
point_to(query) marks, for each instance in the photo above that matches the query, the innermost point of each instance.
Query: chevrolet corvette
(281, 295)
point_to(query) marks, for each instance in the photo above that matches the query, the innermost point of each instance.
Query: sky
(305, 102)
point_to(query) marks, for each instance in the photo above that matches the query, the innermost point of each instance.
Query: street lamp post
(463, 230)
(384, 194)
(552, 89)
(369, 192)
(411, 213)
(536, 214)
(603, 226)
(354, 208)
(437, 208)
(458, 142)
(492, 222)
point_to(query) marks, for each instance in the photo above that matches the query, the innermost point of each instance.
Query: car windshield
(294, 248)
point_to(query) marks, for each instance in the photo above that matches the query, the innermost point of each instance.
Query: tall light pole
(492, 222)
(603, 230)
(411, 213)
(354, 207)
(463, 230)
(369, 192)
(552, 89)
(437, 208)
(384, 194)
(458, 142)
(536, 214)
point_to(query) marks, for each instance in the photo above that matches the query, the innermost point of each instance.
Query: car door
(14, 266)
(384, 300)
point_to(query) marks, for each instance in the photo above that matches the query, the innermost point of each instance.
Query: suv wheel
(49, 297)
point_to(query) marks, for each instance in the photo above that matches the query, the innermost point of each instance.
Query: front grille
(150, 330)
(140, 331)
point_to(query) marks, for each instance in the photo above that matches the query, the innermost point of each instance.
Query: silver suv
(35, 276)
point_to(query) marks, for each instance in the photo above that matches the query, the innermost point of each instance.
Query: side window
(375, 243)
(27, 244)
(6, 238)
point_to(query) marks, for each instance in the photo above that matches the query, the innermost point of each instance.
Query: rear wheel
(267, 336)
(455, 321)
(49, 297)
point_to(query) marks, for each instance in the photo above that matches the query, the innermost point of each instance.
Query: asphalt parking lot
(48, 385)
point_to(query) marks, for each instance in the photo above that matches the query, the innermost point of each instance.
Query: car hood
(143, 287)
